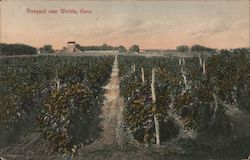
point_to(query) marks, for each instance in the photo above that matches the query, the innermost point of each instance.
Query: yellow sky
(150, 24)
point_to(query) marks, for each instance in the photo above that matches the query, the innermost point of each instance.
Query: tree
(95, 48)
(47, 49)
(225, 53)
(104, 47)
(134, 48)
(199, 48)
(78, 46)
(16, 49)
(121, 49)
(241, 51)
(182, 48)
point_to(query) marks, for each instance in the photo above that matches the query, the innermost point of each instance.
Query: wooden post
(133, 68)
(58, 85)
(57, 80)
(157, 130)
(157, 127)
(152, 86)
(142, 75)
(179, 61)
(204, 66)
(184, 78)
(200, 60)
(215, 107)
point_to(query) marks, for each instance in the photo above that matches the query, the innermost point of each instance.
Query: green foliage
(221, 125)
(47, 49)
(16, 49)
(64, 117)
(183, 48)
(121, 49)
(201, 106)
(139, 108)
(134, 48)
(95, 48)
(28, 89)
(199, 48)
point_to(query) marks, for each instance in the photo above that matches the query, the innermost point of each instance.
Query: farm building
(71, 47)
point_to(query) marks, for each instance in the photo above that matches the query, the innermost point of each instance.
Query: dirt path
(111, 113)
(110, 110)
(112, 137)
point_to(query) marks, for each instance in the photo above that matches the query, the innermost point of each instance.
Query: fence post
(157, 127)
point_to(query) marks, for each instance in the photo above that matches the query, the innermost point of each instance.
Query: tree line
(120, 48)
(23, 49)
(194, 48)
(223, 52)
(16, 49)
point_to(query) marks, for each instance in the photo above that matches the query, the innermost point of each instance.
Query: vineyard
(164, 101)
(57, 95)
(177, 98)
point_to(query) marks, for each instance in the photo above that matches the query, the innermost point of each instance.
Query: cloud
(134, 28)
(135, 23)
(126, 28)
(211, 28)
(129, 27)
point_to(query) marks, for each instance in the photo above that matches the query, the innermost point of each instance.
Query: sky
(149, 24)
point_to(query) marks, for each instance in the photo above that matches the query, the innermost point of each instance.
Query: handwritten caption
(58, 11)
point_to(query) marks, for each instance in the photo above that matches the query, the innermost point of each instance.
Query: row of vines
(193, 95)
(56, 95)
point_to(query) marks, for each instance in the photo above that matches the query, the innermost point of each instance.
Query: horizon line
(122, 45)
